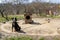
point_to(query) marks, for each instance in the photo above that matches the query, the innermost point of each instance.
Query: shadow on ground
(36, 23)
(21, 31)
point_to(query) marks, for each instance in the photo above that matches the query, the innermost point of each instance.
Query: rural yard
(40, 27)
(29, 20)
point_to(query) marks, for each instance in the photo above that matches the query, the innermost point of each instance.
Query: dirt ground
(40, 27)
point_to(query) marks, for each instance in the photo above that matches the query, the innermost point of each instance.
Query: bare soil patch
(44, 28)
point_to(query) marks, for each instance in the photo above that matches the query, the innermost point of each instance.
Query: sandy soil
(44, 28)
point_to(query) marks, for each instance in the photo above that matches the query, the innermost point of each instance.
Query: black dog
(15, 25)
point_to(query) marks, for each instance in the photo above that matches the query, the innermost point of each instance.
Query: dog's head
(14, 19)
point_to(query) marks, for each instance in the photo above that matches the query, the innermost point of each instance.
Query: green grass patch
(2, 19)
(18, 17)
(42, 38)
(19, 38)
(53, 16)
(10, 18)
(42, 15)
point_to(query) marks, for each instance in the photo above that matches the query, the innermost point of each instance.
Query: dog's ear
(15, 19)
